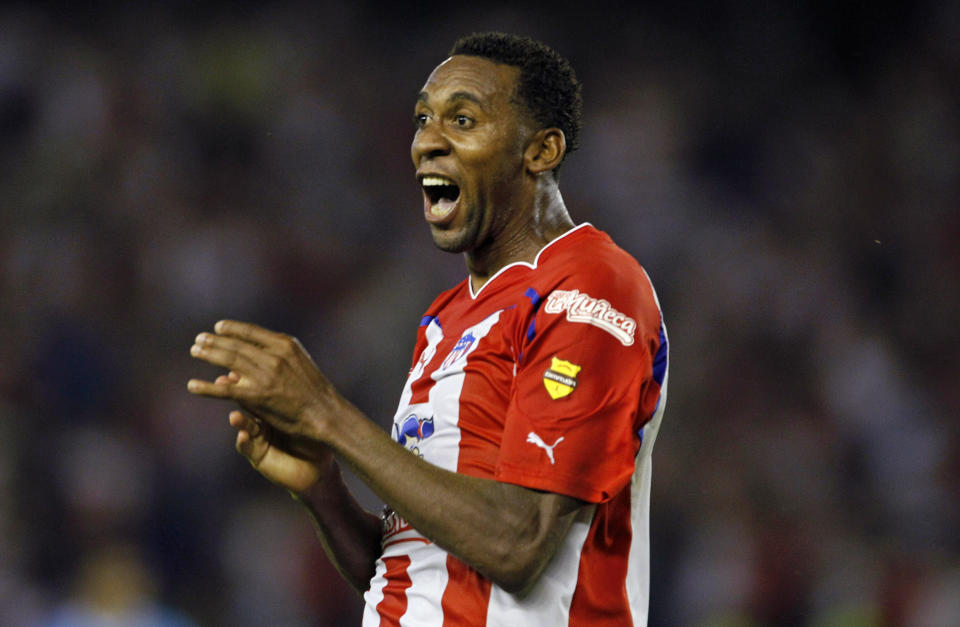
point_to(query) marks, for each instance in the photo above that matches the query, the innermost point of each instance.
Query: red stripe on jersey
(420, 389)
(466, 596)
(485, 392)
(394, 603)
(601, 595)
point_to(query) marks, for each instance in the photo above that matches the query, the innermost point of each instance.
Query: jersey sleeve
(583, 386)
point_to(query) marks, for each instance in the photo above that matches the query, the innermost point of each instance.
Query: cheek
(493, 164)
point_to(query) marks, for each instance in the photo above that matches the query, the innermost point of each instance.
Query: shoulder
(587, 251)
(592, 265)
(448, 297)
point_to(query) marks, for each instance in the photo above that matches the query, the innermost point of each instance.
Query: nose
(428, 142)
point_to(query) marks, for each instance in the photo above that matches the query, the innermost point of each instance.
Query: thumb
(252, 437)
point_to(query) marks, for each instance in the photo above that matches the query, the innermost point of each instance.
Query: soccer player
(517, 475)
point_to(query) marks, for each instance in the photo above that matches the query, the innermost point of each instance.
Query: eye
(463, 121)
(420, 119)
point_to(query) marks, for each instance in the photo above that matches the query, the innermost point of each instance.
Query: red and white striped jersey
(553, 376)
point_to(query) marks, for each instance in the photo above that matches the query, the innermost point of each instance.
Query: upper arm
(584, 387)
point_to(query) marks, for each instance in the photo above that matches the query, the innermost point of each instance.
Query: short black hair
(548, 87)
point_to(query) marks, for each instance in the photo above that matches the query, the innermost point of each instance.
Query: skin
(297, 430)
(470, 129)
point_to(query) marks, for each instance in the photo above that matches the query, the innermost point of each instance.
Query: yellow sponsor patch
(561, 379)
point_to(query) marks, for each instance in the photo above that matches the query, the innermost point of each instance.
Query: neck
(521, 238)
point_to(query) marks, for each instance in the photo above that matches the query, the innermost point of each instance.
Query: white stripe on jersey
(549, 602)
(443, 447)
(638, 579)
(427, 570)
(434, 334)
(428, 574)
(372, 598)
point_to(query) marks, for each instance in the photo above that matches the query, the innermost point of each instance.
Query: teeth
(430, 181)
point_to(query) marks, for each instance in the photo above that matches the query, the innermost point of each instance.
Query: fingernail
(195, 350)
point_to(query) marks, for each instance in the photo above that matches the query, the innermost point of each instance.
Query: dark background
(788, 174)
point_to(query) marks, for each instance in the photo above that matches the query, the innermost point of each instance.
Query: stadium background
(788, 174)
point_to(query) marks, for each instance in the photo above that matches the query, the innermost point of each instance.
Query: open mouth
(441, 193)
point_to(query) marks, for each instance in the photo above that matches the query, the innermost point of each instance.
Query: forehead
(481, 78)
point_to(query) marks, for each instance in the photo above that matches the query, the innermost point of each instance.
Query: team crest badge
(561, 379)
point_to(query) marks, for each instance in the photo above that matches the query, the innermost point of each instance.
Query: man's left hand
(271, 375)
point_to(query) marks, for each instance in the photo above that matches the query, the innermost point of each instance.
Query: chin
(449, 241)
(461, 239)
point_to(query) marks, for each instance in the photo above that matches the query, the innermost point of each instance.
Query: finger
(249, 441)
(213, 340)
(237, 358)
(241, 421)
(239, 355)
(217, 390)
(230, 377)
(249, 332)
(244, 444)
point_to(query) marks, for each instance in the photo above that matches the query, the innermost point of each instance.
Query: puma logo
(533, 438)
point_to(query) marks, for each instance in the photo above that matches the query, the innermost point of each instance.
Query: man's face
(468, 150)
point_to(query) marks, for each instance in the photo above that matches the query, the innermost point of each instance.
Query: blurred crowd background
(788, 173)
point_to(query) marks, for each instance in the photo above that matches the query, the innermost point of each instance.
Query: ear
(545, 150)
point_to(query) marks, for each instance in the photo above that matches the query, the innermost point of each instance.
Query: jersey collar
(551, 244)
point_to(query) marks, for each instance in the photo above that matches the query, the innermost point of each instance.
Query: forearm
(350, 535)
(504, 531)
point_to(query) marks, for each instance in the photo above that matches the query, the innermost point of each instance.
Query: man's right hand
(271, 453)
